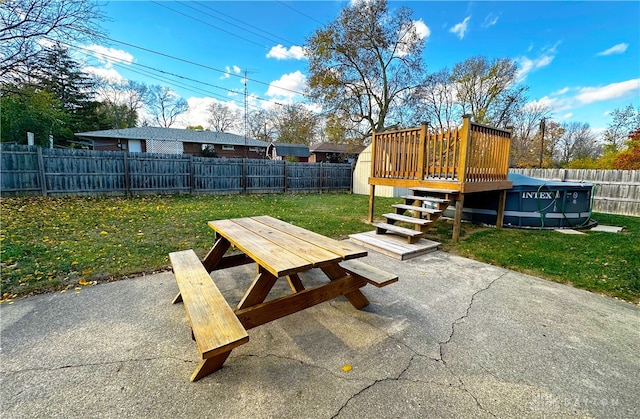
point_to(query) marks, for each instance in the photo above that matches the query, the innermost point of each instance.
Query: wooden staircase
(425, 206)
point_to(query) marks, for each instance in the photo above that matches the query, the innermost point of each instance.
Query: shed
(281, 151)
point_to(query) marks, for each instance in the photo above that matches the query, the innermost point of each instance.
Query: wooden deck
(467, 159)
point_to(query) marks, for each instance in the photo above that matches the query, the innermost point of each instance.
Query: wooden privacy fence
(41, 171)
(465, 157)
(615, 191)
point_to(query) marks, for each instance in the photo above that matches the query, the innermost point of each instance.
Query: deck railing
(468, 154)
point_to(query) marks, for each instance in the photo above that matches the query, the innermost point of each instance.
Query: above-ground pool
(534, 203)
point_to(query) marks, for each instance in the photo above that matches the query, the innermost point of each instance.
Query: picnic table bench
(280, 250)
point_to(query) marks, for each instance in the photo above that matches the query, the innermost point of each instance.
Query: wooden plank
(275, 259)
(277, 308)
(404, 218)
(371, 274)
(435, 190)
(425, 199)
(396, 229)
(215, 327)
(345, 249)
(355, 297)
(308, 250)
(419, 209)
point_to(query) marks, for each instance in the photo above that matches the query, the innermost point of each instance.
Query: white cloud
(288, 86)
(616, 49)
(109, 56)
(198, 113)
(422, 29)
(228, 71)
(108, 74)
(490, 20)
(527, 65)
(567, 115)
(279, 52)
(562, 91)
(460, 29)
(417, 28)
(610, 91)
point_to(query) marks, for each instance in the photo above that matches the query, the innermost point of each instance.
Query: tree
(487, 90)
(526, 138)
(362, 64)
(261, 125)
(122, 102)
(223, 118)
(28, 109)
(341, 131)
(629, 159)
(295, 124)
(624, 121)
(576, 142)
(61, 75)
(165, 105)
(26, 26)
(435, 101)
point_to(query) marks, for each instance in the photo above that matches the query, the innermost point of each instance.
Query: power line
(225, 72)
(92, 52)
(238, 20)
(207, 23)
(301, 13)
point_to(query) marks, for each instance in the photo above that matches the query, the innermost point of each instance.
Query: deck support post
(372, 198)
(457, 221)
(501, 203)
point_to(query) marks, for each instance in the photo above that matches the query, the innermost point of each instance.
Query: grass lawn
(55, 243)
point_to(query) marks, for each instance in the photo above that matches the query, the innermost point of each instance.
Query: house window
(254, 149)
(228, 147)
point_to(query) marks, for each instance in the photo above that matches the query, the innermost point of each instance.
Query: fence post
(321, 178)
(127, 180)
(286, 175)
(192, 175)
(43, 180)
(244, 176)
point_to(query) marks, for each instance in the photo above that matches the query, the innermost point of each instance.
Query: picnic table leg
(295, 283)
(215, 254)
(258, 290)
(356, 298)
(209, 365)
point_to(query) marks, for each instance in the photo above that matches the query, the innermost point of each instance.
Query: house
(282, 151)
(174, 141)
(334, 153)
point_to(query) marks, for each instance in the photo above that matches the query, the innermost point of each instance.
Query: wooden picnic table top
(282, 248)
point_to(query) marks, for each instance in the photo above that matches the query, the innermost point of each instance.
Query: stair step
(419, 209)
(397, 229)
(404, 218)
(440, 191)
(426, 199)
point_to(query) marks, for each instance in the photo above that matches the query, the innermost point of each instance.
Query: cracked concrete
(453, 338)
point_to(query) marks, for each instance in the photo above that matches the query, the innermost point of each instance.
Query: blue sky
(580, 58)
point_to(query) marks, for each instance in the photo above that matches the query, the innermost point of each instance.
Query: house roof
(173, 134)
(293, 150)
(336, 148)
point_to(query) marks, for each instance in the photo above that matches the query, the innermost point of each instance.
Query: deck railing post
(372, 188)
(422, 147)
(465, 145)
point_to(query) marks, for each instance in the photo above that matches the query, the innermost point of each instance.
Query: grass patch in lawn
(52, 243)
(601, 262)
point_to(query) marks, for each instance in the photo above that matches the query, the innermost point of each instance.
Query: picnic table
(280, 250)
